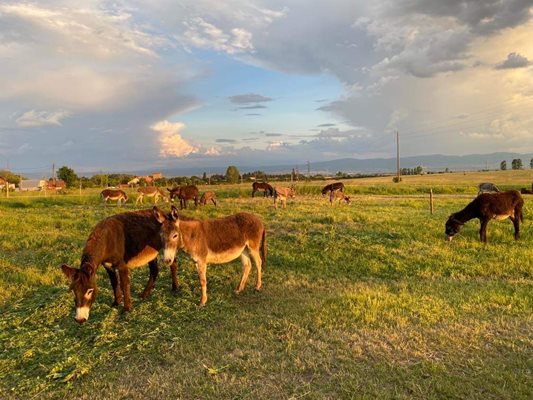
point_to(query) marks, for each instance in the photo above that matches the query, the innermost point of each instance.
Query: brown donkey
(485, 207)
(114, 195)
(151, 191)
(281, 194)
(120, 242)
(217, 240)
(208, 197)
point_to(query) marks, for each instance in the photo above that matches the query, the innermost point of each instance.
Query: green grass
(359, 301)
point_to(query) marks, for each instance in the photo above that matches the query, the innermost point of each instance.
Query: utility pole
(54, 173)
(308, 169)
(398, 156)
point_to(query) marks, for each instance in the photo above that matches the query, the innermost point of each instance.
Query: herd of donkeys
(132, 239)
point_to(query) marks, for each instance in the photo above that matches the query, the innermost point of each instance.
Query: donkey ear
(170, 190)
(68, 271)
(174, 213)
(159, 215)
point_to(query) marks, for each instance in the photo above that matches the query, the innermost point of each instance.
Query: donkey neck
(465, 215)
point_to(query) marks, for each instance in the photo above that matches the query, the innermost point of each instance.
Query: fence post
(431, 201)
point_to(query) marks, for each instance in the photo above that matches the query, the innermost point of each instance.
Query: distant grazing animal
(281, 194)
(488, 206)
(527, 191)
(262, 186)
(134, 181)
(151, 191)
(119, 243)
(184, 193)
(487, 187)
(218, 241)
(115, 195)
(338, 195)
(208, 196)
(332, 187)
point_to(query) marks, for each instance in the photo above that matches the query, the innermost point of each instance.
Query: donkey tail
(263, 249)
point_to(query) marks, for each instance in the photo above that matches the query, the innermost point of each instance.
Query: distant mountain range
(433, 162)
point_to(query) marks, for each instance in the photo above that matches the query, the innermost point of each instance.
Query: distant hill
(433, 162)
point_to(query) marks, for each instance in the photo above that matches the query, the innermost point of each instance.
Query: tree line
(516, 163)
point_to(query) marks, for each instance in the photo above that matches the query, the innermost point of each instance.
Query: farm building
(157, 175)
(32, 184)
(56, 184)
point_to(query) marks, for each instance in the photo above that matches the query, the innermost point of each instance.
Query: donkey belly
(224, 256)
(503, 216)
(144, 257)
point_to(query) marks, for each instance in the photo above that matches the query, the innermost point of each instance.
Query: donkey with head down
(485, 207)
(119, 243)
(217, 240)
(114, 195)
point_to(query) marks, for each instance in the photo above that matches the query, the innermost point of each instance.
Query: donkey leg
(201, 267)
(173, 275)
(516, 223)
(256, 256)
(154, 270)
(114, 284)
(483, 231)
(246, 267)
(125, 285)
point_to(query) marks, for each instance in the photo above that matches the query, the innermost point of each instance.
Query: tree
(531, 164)
(232, 174)
(68, 175)
(516, 163)
(503, 165)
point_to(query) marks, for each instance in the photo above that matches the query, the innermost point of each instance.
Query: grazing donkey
(281, 194)
(114, 194)
(151, 191)
(217, 240)
(487, 187)
(208, 196)
(333, 187)
(488, 206)
(119, 243)
(265, 187)
(184, 193)
(338, 195)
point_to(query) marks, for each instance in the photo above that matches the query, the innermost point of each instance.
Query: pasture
(365, 300)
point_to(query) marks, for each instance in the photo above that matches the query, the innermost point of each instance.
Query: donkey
(217, 240)
(488, 206)
(281, 194)
(119, 243)
(265, 187)
(487, 187)
(208, 196)
(184, 193)
(338, 195)
(151, 191)
(332, 187)
(114, 194)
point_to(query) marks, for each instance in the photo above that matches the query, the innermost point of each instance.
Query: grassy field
(359, 301)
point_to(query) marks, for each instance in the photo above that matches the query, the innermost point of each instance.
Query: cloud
(327, 125)
(33, 118)
(203, 34)
(170, 140)
(249, 98)
(212, 151)
(273, 134)
(253, 114)
(514, 60)
(255, 107)
(226, 141)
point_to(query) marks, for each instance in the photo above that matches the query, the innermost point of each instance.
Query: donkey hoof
(176, 289)
(258, 289)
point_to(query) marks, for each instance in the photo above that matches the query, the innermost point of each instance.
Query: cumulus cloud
(514, 60)
(33, 118)
(170, 140)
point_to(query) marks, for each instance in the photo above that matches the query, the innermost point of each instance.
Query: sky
(122, 85)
